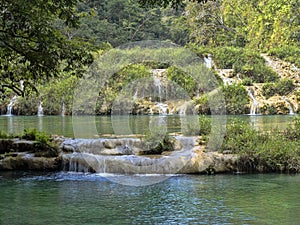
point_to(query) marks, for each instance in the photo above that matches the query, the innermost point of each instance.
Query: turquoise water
(74, 198)
(111, 125)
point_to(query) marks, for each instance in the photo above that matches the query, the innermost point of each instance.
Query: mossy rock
(6, 145)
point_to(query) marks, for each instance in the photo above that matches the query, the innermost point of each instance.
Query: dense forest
(46, 46)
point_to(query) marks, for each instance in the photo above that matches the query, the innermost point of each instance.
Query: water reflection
(94, 126)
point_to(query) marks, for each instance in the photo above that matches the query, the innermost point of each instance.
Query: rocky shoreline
(114, 155)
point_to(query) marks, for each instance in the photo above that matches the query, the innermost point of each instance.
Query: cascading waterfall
(289, 105)
(208, 61)
(10, 105)
(121, 156)
(157, 74)
(63, 109)
(158, 85)
(40, 109)
(254, 109)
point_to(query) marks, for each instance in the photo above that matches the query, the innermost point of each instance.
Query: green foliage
(3, 135)
(246, 62)
(236, 98)
(34, 135)
(119, 22)
(202, 104)
(154, 144)
(115, 84)
(288, 53)
(227, 57)
(184, 80)
(205, 125)
(274, 151)
(43, 146)
(165, 3)
(247, 81)
(32, 49)
(259, 25)
(282, 87)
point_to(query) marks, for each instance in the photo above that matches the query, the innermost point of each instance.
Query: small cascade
(208, 61)
(112, 156)
(289, 105)
(186, 108)
(254, 109)
(63, 109)
(157, 82)
(40, 109)
(10, 105)
(162, 108)
(224, 75)
(135, 96)
(158, 76)
(22, 85)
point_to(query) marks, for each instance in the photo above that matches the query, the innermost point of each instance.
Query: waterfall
(158, 74)
(22, 85)
(119, 156)
(40, 109)
(10, 105)
(63, 109)
(157, 83)
(290, 107)
(254, 104)
(208, 61)
(162, 108)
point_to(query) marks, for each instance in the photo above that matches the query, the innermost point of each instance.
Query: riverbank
(243, 149)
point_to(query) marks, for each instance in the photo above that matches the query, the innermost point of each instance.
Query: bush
(43, 146)
(247, 81)
(246, 62)
(182, 79)
(202, 104)
(252, 65)
(288, 53)
(263, 152)
(236, 98)
(283, 87)
(153, 144)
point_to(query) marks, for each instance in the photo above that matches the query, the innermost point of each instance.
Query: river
(63, 125)
(76, 198)
(84, 198)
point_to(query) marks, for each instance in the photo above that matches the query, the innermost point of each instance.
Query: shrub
(182, 79)
(283, 87)
(247, 81)
(236, 98)
(43, 146)
(202, 104)
(288, 53)
(263, 152)
(153, 144)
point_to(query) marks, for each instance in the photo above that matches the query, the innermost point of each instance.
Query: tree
(32, 49)
(165, 3)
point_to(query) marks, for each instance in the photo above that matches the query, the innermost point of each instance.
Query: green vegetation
(236, 99)
(273, 151)
(282, 87)
(289, 53)
(182, 79)
(32, 49)
(246, 62)
(155, 145)
(41, 146)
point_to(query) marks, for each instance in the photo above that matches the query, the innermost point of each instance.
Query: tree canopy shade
(31, 48)
(165, 3)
